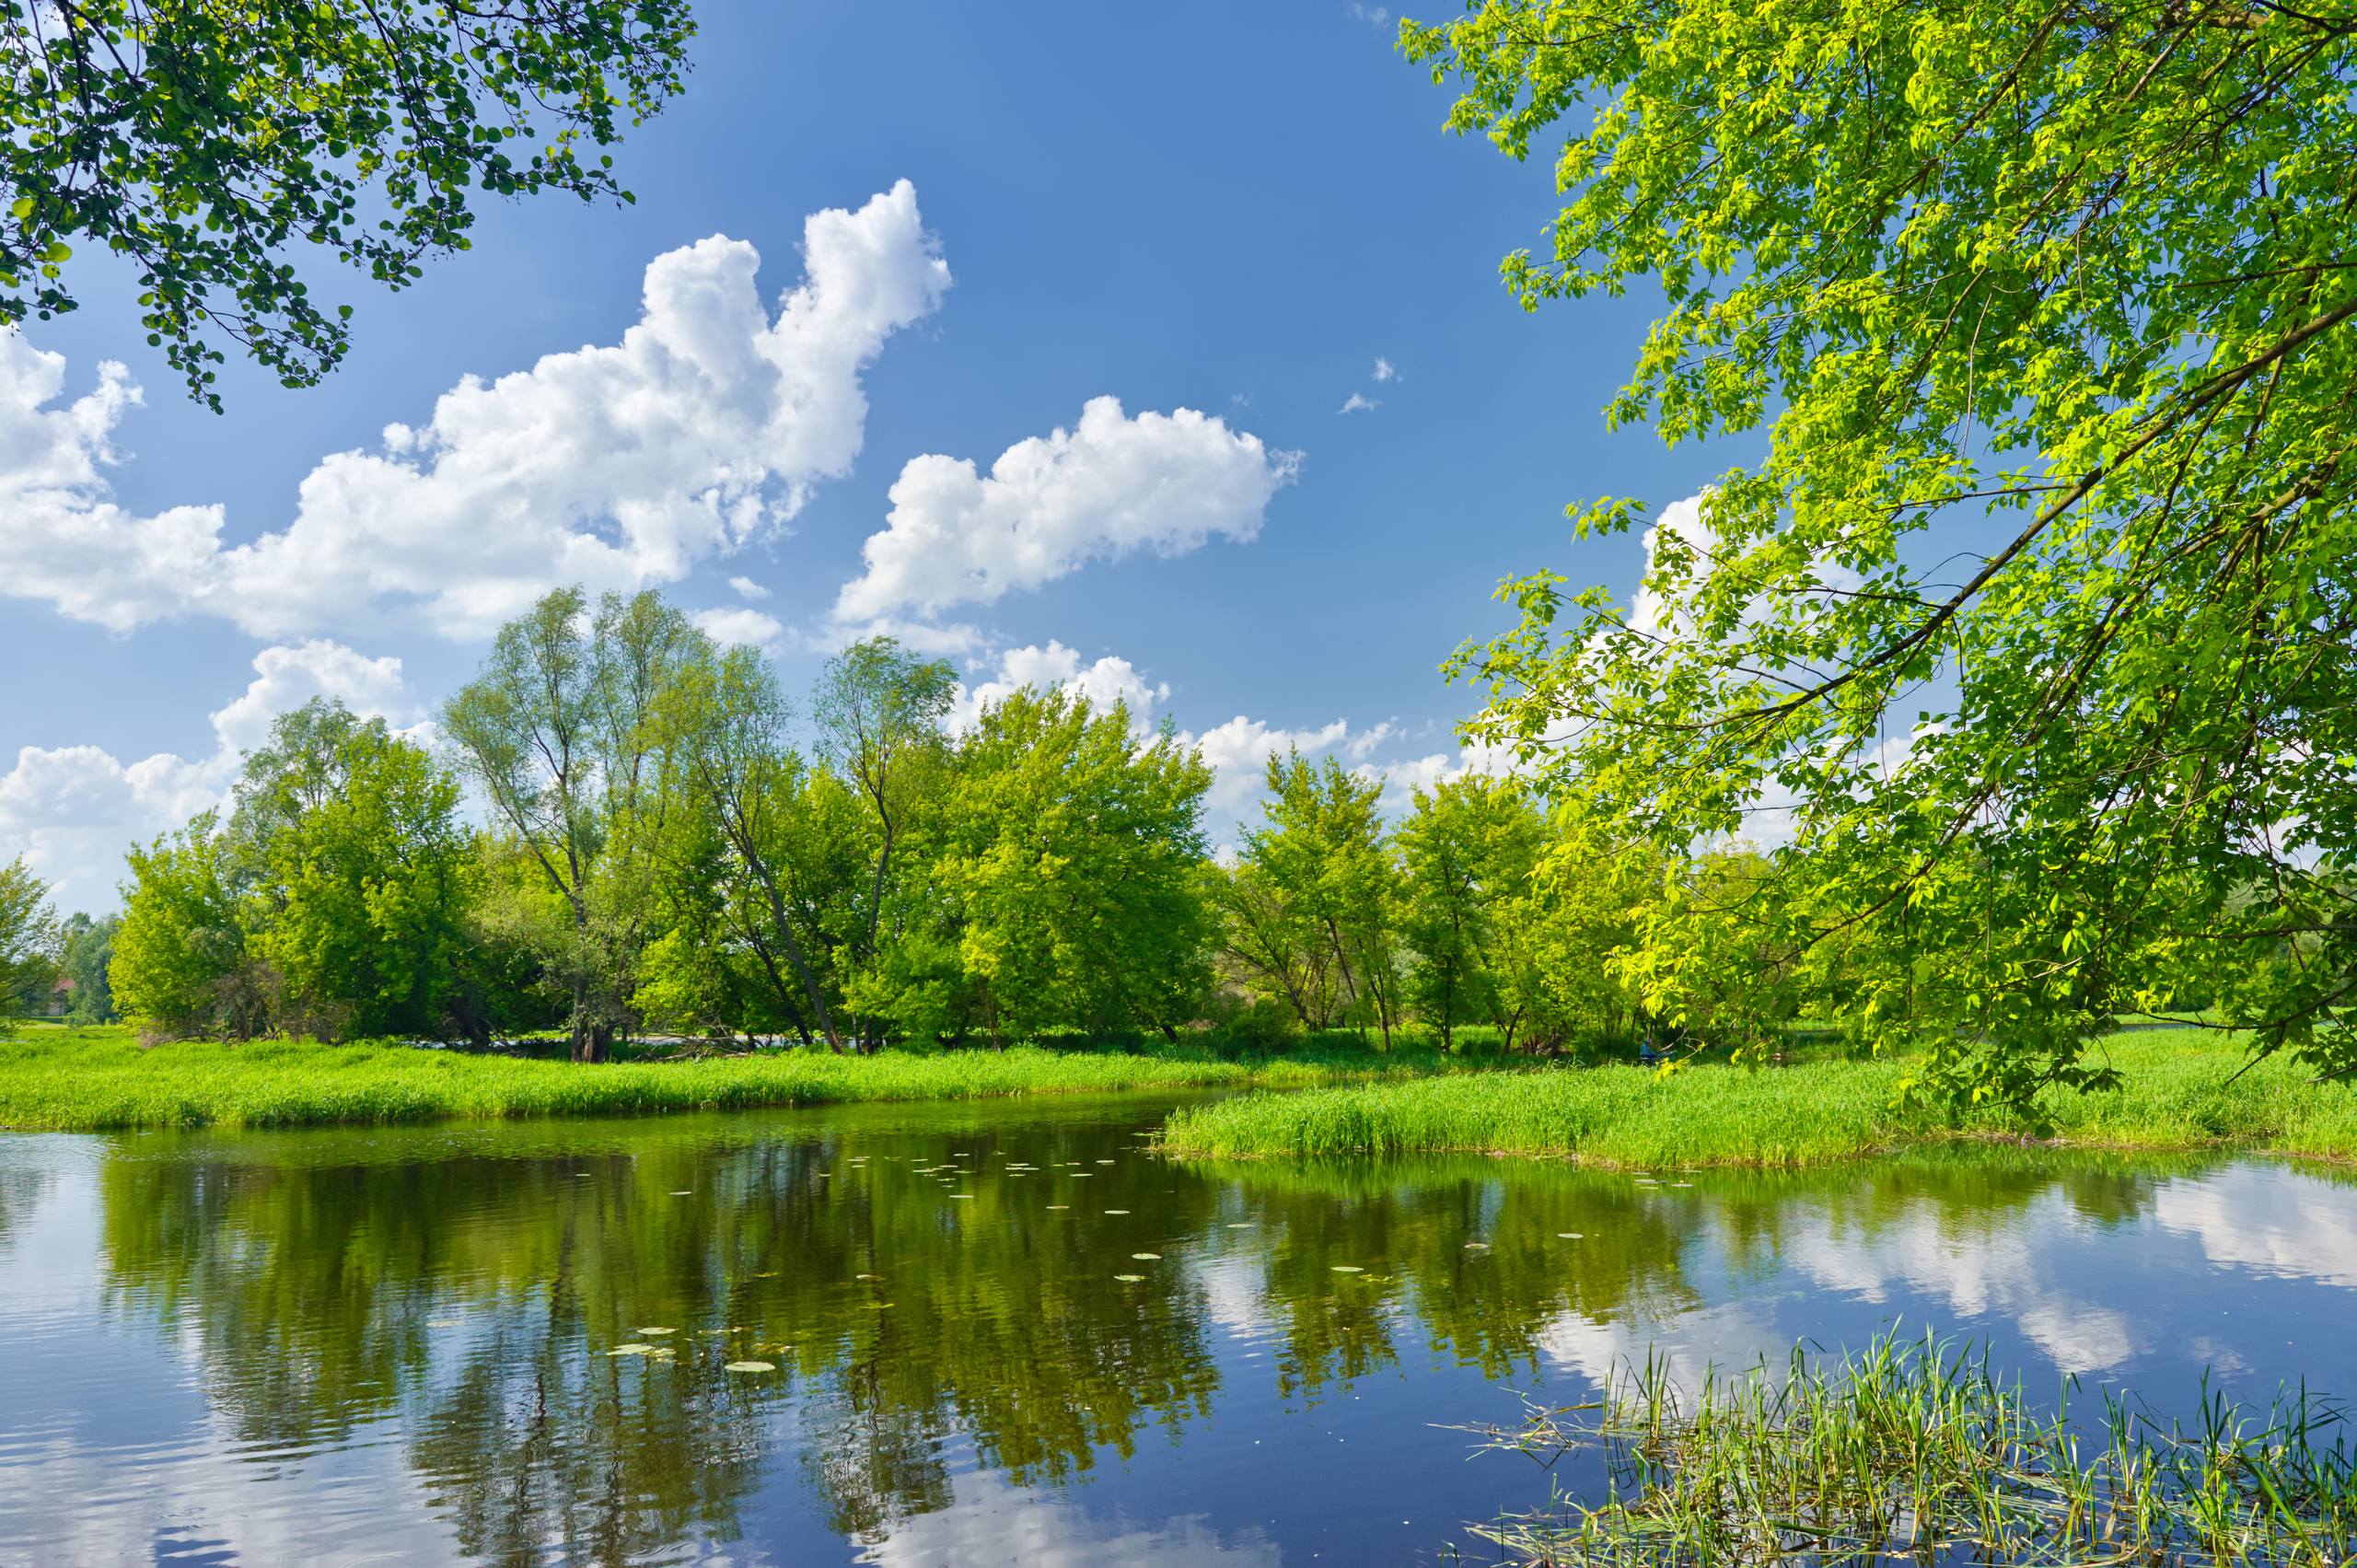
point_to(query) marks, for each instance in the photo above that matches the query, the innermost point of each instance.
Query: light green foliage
(1071, 850)
(2038, 606)
(1311, 903)
(200, 142)
(84, 947)
(180, 964)
(356, 869)
(27, 938)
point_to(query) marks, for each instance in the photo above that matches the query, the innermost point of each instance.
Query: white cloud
(1374, 15)
(1239, 750)
(1109, 487)
(1357, 402)
(1385, 370)
(71, 810)
(747, 589)
(1109, 680)
(753, 628)
(617, 466)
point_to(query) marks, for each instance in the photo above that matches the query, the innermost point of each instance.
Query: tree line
(660, 841)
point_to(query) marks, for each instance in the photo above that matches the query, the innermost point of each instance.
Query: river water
(1001, 1334)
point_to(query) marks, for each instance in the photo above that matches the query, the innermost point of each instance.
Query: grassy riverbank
(99, 1079)
(2181, 1093)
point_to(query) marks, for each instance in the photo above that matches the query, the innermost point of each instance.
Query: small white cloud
(1358, 402)
(1374, 15)
(1109, 487)
(1108, 681)
(749, 589)
(1385, 370)
(1239, 752)
(752, 628)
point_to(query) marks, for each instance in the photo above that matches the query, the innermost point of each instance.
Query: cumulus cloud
(1111, 486)
(71, 810)
(1239, 752)
(753, 628)
(1357, 402)
(617, 466)
(747, 589)
(1109, 680)
(1385, 370)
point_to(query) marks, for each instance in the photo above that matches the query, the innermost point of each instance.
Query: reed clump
(1915, 1452)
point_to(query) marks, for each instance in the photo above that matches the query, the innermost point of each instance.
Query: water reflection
(398, 1344)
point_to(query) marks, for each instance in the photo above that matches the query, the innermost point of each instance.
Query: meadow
(2184, 1089)
(52, 1079)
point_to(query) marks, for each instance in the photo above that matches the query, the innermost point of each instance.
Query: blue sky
(1233, 209)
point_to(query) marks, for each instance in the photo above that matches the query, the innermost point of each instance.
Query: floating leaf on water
(1569, 1235)
(1059, 1206)
(685, 1192)
(1130, 1279)
(629, 1350)
(1148, 1257)
(443, 1322)
(751, 1367)
(651, 1333)
(961, 1194)
(867, 1276)
(1078, 1174)
(878, 1306)
(1240, 1225)
(1104, 1162)
(1477, 1246)
(1348, 1269)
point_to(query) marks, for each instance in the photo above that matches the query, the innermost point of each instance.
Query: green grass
(1918, 1453)
(2181, 1093)
(90, 1080)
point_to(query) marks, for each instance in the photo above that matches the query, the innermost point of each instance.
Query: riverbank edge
(2177, 1098)
(112, 1084)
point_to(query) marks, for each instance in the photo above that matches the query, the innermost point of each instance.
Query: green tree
(2037, 609)
(1073, 849)
(358, 875)
(731, 853)
(27, 938)
(557, 731)
(1468, 851)
(200, 142)
(84, 949)
(181, 965)
(1310, 907)
(881, 713)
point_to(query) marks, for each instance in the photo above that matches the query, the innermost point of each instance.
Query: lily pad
(1117, 1211)
(1059, 1206)
(651, 1333)
(1148, 1257)
(1240, 1225)
(1477, 1246)
(629, 1350)
(1348, 1269)
(751, 1367)
(1570, 1236)
(1130, 1279)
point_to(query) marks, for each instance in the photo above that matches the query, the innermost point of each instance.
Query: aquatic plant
(1918, 1452)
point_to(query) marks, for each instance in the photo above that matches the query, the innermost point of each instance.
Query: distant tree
(27, 938)
(1073, 854)
(730, 851)
(198, 143)
(881, 711)
(84, 949)
(358, 868)
(1468, 851)
(557, 731)
(180, 964)
(1312, 906)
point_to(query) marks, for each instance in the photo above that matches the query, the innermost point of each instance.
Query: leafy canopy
(199, 142)
(2037, 607)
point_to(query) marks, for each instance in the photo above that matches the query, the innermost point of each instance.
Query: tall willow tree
(2038, 608)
